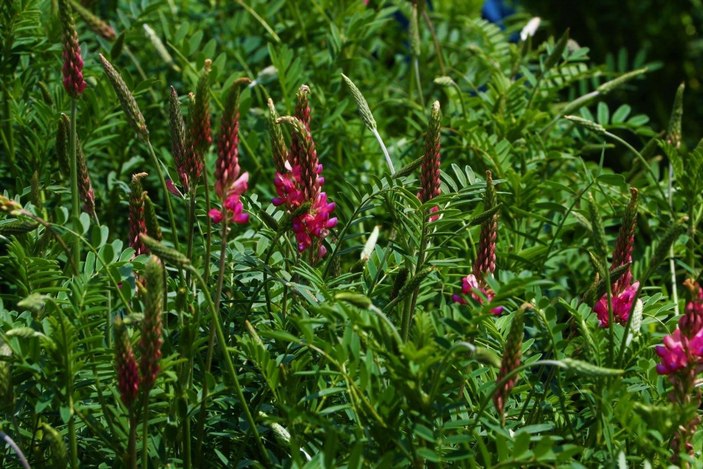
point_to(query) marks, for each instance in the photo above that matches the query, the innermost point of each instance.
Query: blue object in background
(496, 10)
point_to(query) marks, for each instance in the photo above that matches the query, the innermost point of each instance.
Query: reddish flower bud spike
(73, 80)
(510, 361)
(623, 291)
(151, 340)
(126, 365)
(178, 139)
(429, 172)
(137, 221)
(299, 186)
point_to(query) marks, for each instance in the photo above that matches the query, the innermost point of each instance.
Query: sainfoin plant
(271, 237)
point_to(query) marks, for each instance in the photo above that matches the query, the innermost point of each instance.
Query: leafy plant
(271, 278)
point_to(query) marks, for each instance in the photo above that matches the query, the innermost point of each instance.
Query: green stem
(132, 444)
(145, 432)
(230, 366)
(644, 163)
(416, 66)
(691, 234)
(389, 162)
(75, 202)
(191, 229)
(208, 245)
(172, 219)
(9, 137)
(211, 340)
(672, 263)
(73, 441)
(410, 305)
(435, 41)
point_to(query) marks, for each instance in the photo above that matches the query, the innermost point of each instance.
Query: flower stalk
(484, 265)
(617, 303)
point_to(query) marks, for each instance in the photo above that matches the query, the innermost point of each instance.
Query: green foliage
(359, 357)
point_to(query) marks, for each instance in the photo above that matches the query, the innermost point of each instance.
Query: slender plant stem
(211, 340)
(416, 66)
(172, 219)
(644, 163)
(73, 441)
(435, 41)
(691, 234)
(208, 245)
(75, 203)
(230, 366)
(410, 305)
(145, 432)
(191, 229)
(9, 136)
(389, 162)
(11, 443)
(132, 443)
(672, 263)
(187, 457)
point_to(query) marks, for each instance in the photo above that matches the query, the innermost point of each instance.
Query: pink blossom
(215, 215)
(672, 354)
(678, 352)
(622, 305)
(470, 286)
(232, 204)
(316, 222)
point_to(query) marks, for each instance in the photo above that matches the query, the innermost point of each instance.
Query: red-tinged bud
(302, 112)
(178, 139)
(278, 144)
(73, 80)
(625, 242)
(200, 120)
(510, 361)
(85, 187)
(486, 257)
(300, 183)
(623, 291)
(310, 167)
(151, 339)
(151, 221)
(137, 221)
(227, 168)
(126, 365)
(126, 98)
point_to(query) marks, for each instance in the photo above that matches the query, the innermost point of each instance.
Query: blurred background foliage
(663, 35)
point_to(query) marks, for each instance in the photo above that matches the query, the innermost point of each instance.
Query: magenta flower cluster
(621, 301)
(623, 291)
(317, 220)
(232, 205)
(684, 348)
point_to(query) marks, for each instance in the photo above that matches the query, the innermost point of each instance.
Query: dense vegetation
(337, 233)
